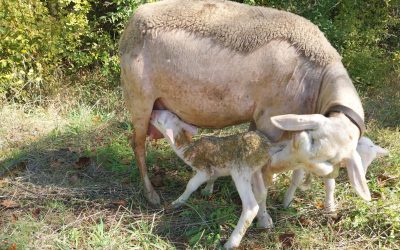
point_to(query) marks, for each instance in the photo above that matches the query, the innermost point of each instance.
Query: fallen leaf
(287, 239)
(384, 180)
(12, 247)
(9, 204)
(96, 119)
(157, 180)
(14, 218)
(319, 205)
(4, 183)
(82, 162)
(304, 221)
(36, 213)
(120, 203)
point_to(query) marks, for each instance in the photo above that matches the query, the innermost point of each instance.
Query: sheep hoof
(287, 201)
(330, 208)
(153, 198)
(177, 204)
(230, 244)
(266, 222)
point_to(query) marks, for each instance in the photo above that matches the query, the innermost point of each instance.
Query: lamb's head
(369, 151)
(320, 143)
(171, 126)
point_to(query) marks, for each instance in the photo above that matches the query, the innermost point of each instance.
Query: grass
(70, 171)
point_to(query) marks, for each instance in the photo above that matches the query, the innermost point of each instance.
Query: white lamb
(241, 156)
(367, 150)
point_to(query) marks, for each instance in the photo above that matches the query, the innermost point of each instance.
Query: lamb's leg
(195, 182)
(208, 189)
(330, 205)
(249, 206)
(264, 220)
(307, 181)
(297, 178)
(140, 123)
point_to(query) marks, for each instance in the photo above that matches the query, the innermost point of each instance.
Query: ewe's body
(240, 156)
(218, 63)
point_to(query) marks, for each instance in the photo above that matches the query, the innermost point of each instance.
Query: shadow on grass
(92, 166)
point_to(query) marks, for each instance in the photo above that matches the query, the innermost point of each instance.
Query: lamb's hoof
(330, 212)
(330, 208)
(153, 198)
(177, 204)
(230, 244)
(206, 192)
(286, 202)
(265, 222)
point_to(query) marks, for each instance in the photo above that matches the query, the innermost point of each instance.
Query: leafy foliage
(43, 41)
(364, 32)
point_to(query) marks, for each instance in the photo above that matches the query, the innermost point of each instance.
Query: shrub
(41, 40)
(366, 33)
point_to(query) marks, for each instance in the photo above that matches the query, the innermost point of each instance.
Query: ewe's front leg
(297, 178)
(330, 205)
(249, 208)
(195, 182)
(138, 144)
(264, 220)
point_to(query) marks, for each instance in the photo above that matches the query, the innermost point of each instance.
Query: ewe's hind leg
(195, 182)
(330, 205)
(249, 208)
(264, 220)
(297, 178)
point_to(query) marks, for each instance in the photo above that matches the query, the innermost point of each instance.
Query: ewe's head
(171, 126)
(322, 142)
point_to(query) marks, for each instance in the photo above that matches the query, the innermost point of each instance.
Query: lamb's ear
(380, 151)
(170, 134)
(292, 122)
(189, 131)
(189, 128)
(356, 175)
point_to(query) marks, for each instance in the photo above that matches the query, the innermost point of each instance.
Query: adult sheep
(219, 63)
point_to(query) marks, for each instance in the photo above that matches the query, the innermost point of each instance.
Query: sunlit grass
(79, 202)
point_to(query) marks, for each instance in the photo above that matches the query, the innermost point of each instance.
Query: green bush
(41, 40)
(366, 34)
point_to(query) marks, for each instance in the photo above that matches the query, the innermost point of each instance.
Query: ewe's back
(232, 25)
